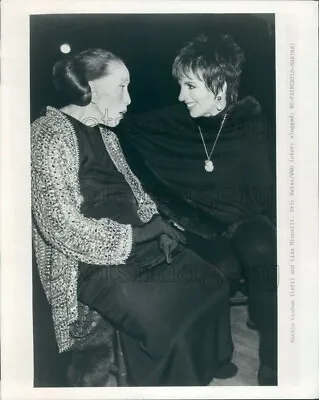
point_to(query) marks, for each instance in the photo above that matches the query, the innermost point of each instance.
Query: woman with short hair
(212, 170)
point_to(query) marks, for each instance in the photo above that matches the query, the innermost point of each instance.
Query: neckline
(94, 128)
(55, 110)
(210, 125)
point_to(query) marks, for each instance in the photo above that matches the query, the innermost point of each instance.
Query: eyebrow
(189, 82)
(125, 80)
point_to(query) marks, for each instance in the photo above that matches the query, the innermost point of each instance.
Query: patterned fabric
(62, 236)
(147, 207)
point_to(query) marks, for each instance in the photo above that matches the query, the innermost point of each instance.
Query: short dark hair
(214, 60)
(71, 75)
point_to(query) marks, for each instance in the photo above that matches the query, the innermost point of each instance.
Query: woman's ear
(222, 91)
(221, 98)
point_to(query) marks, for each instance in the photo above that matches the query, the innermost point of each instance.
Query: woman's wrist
(152, 229)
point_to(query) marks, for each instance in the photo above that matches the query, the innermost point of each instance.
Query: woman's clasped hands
(168, 236)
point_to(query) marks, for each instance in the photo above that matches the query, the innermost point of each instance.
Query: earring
(93, 97)
(219, 107)
(93, 93)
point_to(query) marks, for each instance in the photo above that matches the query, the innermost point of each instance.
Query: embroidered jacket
(62, 236)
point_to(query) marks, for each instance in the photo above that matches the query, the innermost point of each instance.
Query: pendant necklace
(209, 166)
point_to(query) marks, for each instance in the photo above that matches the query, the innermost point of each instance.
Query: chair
(120, 362)
(241, 296)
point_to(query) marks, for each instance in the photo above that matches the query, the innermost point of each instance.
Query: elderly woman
(102, 247)
(211, 170)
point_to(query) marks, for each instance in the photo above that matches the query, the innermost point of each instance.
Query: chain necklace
(209, 166)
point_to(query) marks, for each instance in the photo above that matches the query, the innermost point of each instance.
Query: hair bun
(70, 81)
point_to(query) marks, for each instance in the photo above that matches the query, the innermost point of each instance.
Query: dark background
(148, 44)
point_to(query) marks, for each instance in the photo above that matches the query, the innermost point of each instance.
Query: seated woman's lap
(156, 303)
(249, 249)
(219, 252)
(254, 241)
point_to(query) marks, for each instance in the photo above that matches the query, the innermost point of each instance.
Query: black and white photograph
(155, 181)
(153, 199)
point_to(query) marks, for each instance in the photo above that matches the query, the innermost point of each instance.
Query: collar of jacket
(238, 113)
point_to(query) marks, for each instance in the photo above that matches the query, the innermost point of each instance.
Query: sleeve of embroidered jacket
(56, 207)
(147, 207)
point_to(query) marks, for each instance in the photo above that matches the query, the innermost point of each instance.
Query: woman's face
(111, 93)
(200, 101)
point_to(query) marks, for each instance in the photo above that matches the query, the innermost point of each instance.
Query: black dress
(174, 319)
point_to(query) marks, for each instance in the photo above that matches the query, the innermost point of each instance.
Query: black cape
(165, 150)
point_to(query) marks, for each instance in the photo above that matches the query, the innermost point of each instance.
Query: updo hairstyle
(71, 75)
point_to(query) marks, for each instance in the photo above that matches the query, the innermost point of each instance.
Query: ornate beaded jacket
(62, 236)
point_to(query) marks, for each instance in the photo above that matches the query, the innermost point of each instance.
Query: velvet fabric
(229, 215)
(165, 149)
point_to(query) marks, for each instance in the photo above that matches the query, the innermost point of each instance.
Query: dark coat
(166, 152)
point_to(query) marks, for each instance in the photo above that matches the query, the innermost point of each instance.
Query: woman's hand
(167, 245)
(156, 227)
(174, 233)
